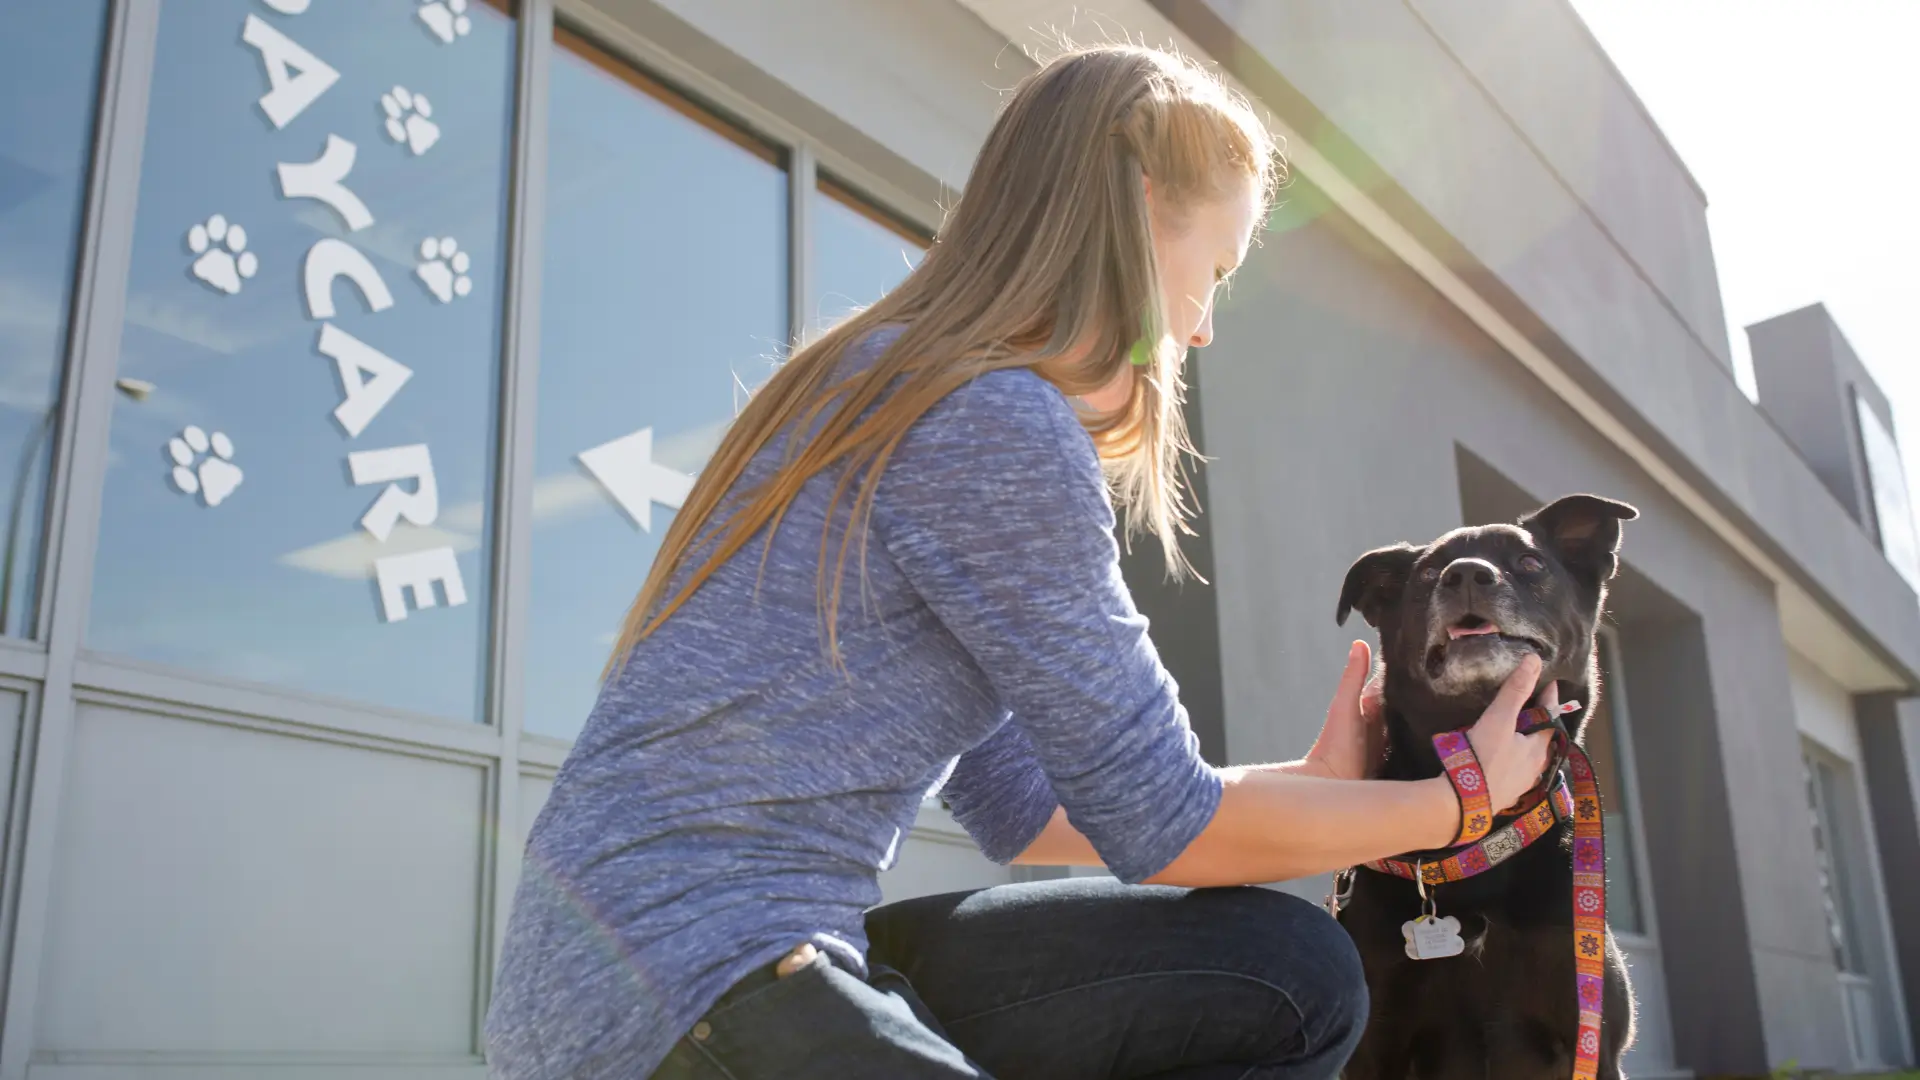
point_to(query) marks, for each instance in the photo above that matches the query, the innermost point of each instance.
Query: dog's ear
(1376, 581)
(1584, 531)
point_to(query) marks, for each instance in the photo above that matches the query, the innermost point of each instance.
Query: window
(859, 252)
(1607, 745)
(304, 497)
(1848, 892)
(49, 68)
(1892, 506)
(1824, 805)
(663, 294)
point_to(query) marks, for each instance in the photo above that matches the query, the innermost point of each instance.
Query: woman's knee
(1297, 945)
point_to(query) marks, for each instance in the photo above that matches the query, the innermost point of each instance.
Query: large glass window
(1606, 744)
(49, 69)
(302, 497)
(859, 252)
(664, 293)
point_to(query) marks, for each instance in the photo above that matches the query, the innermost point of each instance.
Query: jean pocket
(770, 992)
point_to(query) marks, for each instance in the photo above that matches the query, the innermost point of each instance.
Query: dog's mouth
(1471, 632)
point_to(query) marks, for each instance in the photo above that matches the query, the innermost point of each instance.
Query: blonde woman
(897, 576)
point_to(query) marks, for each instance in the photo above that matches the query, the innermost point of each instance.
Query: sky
(1799, 119)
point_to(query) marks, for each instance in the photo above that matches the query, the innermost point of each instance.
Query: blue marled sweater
(733, 795)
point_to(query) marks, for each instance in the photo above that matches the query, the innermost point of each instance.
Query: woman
(897, 576)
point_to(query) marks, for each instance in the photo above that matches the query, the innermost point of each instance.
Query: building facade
(353, 358)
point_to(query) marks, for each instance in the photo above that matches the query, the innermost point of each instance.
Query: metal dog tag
(1430, 938)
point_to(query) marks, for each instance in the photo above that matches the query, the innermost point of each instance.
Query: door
(1608, 740)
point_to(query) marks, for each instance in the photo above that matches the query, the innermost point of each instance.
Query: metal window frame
(1853, 852)
(79, 472)
(1847, 842)
(513, 486)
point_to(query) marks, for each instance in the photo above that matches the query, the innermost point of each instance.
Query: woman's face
(1196, 248)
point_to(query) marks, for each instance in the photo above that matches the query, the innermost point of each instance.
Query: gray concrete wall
(1341, 392)
(1808, 375)
(1801, 389)
(1537, 64)
(1184, 615)
(1449, 146)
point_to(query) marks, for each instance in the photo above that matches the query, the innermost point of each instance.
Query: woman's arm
(995, 508)
(1275, 826)
(1276, 823)
(1300, 818)
(1059, 844)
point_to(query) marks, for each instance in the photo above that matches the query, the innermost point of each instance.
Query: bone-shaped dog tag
(1430, 938)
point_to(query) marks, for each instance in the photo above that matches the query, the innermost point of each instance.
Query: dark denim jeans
(1062, 980)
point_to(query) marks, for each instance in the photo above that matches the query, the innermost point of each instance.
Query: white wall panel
(225, 890)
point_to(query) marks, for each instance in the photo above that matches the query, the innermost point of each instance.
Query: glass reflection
(49, 71)
(859, 253)
(664, 295)
(235, 539)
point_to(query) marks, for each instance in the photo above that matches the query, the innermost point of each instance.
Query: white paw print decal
(203, 465)
(443, 268)
(447, 19)
(408, 119)
(223, 256)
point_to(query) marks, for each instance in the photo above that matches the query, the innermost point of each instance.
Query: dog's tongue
(1457, 632)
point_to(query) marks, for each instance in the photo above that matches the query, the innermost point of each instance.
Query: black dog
(1455, 617)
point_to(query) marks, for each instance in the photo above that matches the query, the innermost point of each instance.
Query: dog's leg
(1521, 1047)
(1379, 1059)
(1384, 1053)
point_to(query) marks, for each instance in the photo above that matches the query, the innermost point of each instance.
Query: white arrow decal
(625, 467)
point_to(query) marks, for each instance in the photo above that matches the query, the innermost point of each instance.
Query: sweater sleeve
(995, 509)
(999, 793)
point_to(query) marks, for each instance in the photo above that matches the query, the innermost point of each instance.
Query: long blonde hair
(1045, 262)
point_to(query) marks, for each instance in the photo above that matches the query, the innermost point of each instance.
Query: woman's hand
(1279, 822)
(1511, 762)
(1354, 738)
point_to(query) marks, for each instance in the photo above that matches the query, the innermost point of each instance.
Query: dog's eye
(1532, 564)
(1430, 573)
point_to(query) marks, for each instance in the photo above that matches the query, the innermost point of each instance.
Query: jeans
(1062, 980)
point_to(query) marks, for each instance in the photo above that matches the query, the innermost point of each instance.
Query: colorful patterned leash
(1589, 909)
(1480, 847)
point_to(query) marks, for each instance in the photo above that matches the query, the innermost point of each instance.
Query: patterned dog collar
(1498, 846)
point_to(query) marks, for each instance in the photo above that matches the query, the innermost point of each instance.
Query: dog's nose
(1461, 572)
